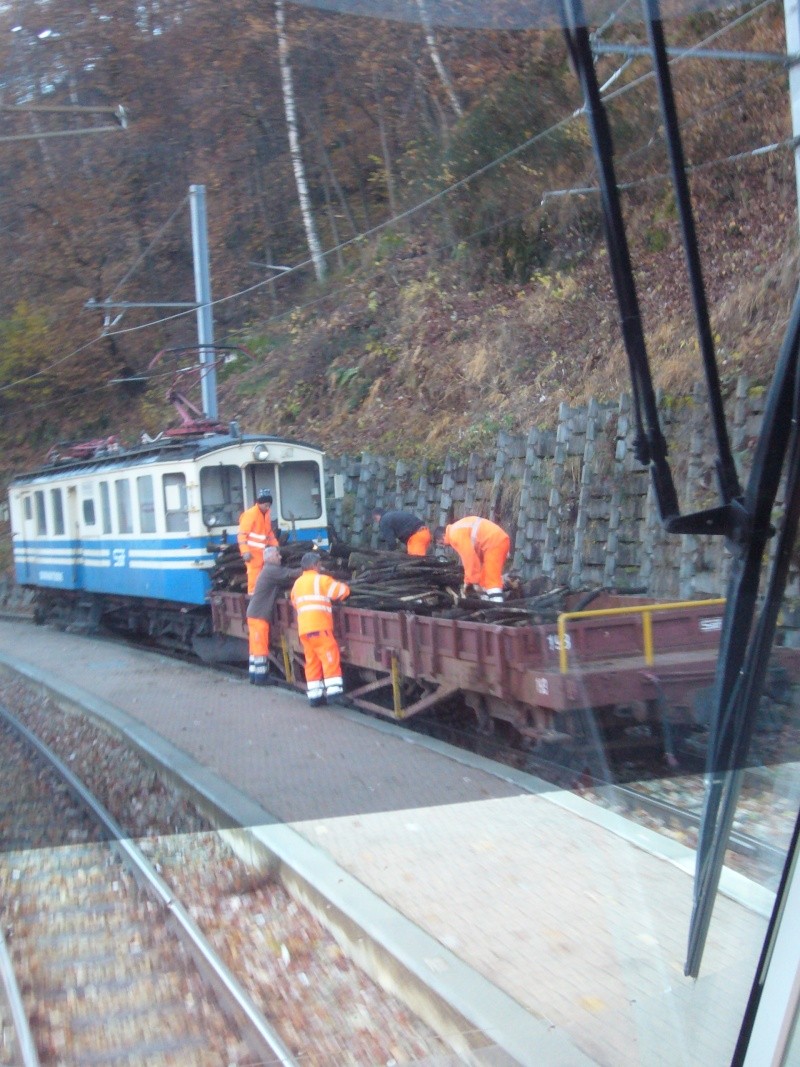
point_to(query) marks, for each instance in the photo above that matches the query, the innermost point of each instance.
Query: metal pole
(202, 289)
(792, 26)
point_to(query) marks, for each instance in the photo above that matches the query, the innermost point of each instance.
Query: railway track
(104, 964)
(107, 971)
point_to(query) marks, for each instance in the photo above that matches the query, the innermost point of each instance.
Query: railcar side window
(105, 507)
(58, 511)
(28, 509)
(222, 495)
(124, 515)
(300, 496)
(41, 517)
(147, 506)
(176, 506)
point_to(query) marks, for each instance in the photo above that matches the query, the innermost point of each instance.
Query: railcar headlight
(260, 452)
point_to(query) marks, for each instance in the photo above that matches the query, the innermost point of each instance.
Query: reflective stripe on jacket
(255, 530)
(311, 595)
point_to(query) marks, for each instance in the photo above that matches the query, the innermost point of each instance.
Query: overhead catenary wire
(403, 215)
(158, 235)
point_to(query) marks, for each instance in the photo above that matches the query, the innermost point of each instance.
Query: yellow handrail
(645, 610)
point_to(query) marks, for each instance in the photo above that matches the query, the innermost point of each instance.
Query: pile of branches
(422, 585)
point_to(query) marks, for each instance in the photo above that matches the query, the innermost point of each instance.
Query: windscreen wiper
(744, 519)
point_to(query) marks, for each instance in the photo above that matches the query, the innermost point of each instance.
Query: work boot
(262, 674)
(316, 702)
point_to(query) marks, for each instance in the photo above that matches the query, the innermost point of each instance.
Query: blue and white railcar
(146, 522)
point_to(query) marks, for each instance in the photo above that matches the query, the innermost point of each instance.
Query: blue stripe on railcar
(154, 568)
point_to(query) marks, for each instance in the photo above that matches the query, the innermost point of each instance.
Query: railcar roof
(163, 448)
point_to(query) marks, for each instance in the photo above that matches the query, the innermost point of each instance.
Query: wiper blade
(745, 519)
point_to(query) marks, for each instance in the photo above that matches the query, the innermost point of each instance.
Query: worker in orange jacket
(483, 547)
(311, 596)
(255, 533)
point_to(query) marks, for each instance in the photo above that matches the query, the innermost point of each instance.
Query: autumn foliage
(450, 187)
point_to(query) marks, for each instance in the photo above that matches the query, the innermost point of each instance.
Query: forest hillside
(404, 228)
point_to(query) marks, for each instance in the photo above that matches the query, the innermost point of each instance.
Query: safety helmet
(264, 496)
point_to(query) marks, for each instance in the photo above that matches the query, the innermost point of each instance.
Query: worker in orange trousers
(312, 596)
(483, 548)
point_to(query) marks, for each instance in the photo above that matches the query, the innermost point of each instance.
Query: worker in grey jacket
(403, 527)
(261, 611)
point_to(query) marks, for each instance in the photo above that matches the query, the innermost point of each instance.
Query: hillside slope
(406, 359)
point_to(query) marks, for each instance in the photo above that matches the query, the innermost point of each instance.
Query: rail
(265, 1039)
(645, 610)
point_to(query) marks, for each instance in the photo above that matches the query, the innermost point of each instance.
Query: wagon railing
(645, 610)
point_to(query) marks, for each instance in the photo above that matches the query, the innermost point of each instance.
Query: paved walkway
(557, 929)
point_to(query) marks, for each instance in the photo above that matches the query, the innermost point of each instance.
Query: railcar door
(24, 538)
(261, 476)
(74, 534)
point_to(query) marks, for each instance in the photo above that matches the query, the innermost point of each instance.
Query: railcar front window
(261, 476)
(175, 503)
(147, 507)
(58, 511)
(222, 495)
(300, 492)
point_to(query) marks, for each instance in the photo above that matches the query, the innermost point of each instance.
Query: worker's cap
(309, 560)
(264, 496)
(272, 554)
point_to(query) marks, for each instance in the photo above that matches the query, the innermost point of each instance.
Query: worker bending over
(403, 527)
(261, 611)
(255, 533)
(483, 548)
(312, 596)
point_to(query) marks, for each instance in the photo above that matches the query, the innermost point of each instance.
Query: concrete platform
(556, 929)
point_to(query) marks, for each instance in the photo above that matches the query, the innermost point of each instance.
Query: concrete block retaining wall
(579, 507)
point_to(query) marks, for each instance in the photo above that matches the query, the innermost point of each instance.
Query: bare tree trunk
(436, 59)
(290, 107)
(337, 242)
(387, 158)
(259, 196)
(327, 165)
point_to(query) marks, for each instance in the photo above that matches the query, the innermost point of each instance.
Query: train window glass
(105, 507)
(87, 508)
(261, 476)
(41, 518)
(122, 490)
(58, 511)
(300, 496)
(147, 507)
(28, 509)
(176, 503)
(221, 494)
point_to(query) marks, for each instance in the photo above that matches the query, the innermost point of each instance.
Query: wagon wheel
(578, 760)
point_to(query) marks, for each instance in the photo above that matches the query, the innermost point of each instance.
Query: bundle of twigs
(392, 581)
